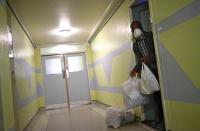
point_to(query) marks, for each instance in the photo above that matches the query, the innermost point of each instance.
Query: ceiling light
(65, 30)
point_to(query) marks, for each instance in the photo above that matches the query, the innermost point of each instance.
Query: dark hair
(136, 24)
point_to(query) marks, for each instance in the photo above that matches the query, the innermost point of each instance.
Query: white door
(77, 79)
(54, 81)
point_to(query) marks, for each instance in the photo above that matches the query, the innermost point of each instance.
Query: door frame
(66, 81)
(157, 52)
(1, 109)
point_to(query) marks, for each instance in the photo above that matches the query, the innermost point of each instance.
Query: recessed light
(65, 30)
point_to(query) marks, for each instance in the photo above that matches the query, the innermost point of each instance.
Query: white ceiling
(44, 18)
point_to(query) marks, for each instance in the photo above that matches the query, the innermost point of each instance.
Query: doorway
(153, 112)
(1, 110)
(65, 80)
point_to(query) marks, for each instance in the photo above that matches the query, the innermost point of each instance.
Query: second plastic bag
(132, 95)
(149, 83)
(115, 117)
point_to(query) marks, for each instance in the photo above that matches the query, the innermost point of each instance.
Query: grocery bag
(149, 83)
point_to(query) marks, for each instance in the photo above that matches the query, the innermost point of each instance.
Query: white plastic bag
(128, 116)
(130, 86)
(149, 83)
(132, 95)
(113, 117)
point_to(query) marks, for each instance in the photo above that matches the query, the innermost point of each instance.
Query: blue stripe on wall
(29, 70)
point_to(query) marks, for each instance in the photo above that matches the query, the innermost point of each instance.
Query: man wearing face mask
(144, 50)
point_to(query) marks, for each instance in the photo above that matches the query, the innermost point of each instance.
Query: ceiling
(45, 20)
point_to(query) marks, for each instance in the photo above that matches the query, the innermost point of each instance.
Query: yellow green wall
(5, 74)
(112, 58)
(39, 78)
(176, 27)
(28, 76)
(89, 59)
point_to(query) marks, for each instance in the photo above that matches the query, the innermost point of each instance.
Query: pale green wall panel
(20, 82)
(5, 73)
(184, 116)
(101, 75)
(182, 42)
(93, 95)
(90, 73)
(89, 54)
(114, 34)
(120, 69)
(177, 42)
(26, 114)
(39, 78)
(168, 7)
(112, 58)
(89, 60)
(26, 92)
(112, 99)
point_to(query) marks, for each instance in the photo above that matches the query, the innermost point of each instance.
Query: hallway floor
(82, 118)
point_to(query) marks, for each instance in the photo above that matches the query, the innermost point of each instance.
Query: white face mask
(137, 33)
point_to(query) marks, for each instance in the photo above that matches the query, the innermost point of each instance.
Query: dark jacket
(148, 38)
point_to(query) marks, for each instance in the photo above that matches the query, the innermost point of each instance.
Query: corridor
(81, 118)
(64, 62)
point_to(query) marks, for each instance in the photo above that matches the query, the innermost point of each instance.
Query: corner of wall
(39, 78)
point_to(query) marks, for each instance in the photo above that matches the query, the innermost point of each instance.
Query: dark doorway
(153, 112)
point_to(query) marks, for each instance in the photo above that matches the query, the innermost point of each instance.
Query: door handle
(63, 73)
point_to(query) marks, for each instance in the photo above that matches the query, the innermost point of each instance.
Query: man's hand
(133, 73)
(145, 59)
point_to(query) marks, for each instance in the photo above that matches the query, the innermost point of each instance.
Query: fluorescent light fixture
(64, 32)
(64, 29)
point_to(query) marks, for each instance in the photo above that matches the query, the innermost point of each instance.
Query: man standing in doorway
(144, 50)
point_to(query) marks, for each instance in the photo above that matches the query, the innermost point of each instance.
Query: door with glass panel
(77, 79)
(54, 81)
